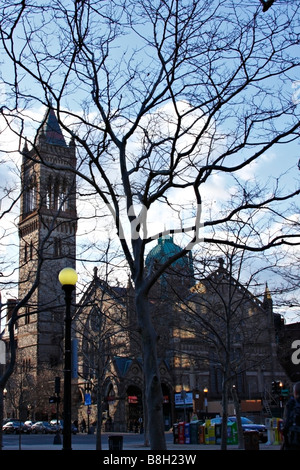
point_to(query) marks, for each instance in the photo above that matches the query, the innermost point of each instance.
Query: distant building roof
(164, 250)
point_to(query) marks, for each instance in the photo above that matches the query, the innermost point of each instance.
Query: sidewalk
(177, 448)
(133, 446)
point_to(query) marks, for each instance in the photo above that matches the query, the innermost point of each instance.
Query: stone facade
(47, 244)
(194, 333)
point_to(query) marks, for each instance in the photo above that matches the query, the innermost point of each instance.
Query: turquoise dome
(165, 249)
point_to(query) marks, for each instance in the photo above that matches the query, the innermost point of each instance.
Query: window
(57, 194)
(58, 251)
(27, 315)
(62, 197)
(30, 198)
(28, 251)
(49, 194)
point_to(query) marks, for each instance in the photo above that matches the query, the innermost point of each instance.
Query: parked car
(27, 427)
(56, 425)
(60, 425)
(13, 427)
(41, 427)
(249, 425)
(74, 429)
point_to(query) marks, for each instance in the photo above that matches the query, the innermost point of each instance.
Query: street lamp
(205, 391)
(88, 401)
(68, 278)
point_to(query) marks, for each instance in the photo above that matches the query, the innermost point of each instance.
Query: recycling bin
(175, 433)
(270, 431)
(181, 437)
(209, 432)
(115, 442)
(201, 434)
(194, 432)
(251, 440)
(232, 434)
(277, 430)
(187, 438)
(218, 432)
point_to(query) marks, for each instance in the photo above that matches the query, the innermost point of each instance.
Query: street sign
(87, 399)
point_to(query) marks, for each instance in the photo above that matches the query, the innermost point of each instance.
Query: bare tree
(169, 94)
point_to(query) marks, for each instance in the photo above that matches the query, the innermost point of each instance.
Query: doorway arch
(167, 406)
(134, 408)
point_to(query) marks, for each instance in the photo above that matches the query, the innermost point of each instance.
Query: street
(131, 441)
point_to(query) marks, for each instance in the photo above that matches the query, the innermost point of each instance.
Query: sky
(280, 159)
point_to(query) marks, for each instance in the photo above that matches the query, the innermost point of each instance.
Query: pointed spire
(129, 283)
(268, 302)
(95, 272)
(267, 293)
(50, 130)
(25, 147)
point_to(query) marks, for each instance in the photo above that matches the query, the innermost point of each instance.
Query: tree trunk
(224, 415)
(153, 390)
(99, 418)
(238, 419)
(145, 418)
(1, 416)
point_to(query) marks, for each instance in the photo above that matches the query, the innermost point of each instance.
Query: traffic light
(277, 387)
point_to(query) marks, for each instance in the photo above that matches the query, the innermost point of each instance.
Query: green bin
(232, 434)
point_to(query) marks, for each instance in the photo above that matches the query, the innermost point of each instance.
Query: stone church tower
(47, 243)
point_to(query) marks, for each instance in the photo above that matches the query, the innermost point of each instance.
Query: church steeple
(268, 302)
(50, 130)
(47, 234)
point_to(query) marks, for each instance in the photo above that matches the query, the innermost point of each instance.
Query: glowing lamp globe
(68, 276)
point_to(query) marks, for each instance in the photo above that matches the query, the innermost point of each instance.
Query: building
(47, 243)
(289, 349)
(199, 322)
(47, 234)
(194, 329)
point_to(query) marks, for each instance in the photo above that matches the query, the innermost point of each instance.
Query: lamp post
(205, 391)
(88, 401)
(68, 278)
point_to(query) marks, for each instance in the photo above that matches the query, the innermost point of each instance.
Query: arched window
(62, 196)
(57, 194)
(49, 194)
(30, 196)
(58, 247)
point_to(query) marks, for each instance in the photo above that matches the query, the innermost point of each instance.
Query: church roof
(51, 130)
(164, 250)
